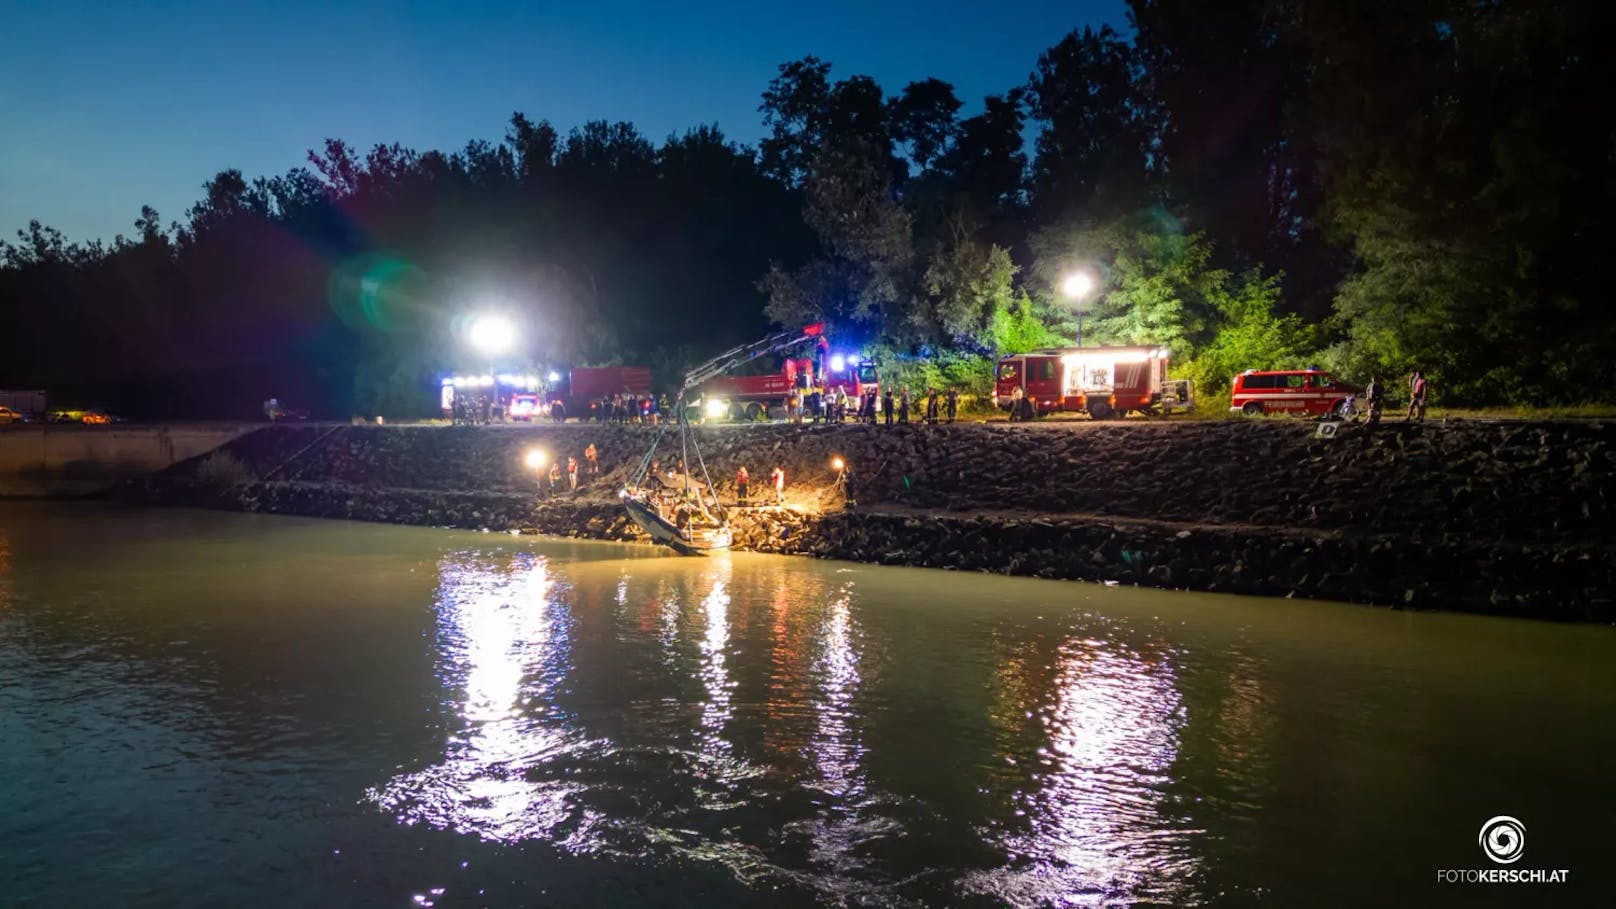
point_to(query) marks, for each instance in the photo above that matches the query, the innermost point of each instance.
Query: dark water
(208, 709)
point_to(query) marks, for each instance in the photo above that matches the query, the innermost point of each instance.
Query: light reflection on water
(504, 643)
(1090, 827)
(1082, 826)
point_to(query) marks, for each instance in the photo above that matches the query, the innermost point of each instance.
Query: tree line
(1371, 187)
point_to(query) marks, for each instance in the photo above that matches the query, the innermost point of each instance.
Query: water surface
(213, 709)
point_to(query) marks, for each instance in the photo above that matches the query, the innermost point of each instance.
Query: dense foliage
(1258, 183)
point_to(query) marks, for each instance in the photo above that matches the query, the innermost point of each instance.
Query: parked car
(7, 416)
(1302, 392)
(90, 417)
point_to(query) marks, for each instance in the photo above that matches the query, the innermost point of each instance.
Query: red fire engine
(588, 385)
(1103, 382)
(753, 397)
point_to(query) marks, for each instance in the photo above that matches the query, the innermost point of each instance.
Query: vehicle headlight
(717, 407)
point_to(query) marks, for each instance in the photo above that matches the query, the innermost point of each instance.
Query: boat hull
(667, 534)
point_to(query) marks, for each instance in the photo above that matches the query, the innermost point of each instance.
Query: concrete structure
(58, 460)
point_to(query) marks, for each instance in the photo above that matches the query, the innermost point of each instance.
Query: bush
(223, 471)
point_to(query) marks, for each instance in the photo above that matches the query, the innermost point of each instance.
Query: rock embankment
(1489, 517)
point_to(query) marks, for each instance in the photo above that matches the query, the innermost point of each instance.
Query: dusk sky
(108, 106)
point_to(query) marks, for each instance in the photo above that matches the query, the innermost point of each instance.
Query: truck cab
(1040, 375)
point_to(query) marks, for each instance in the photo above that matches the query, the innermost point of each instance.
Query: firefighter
(931, 405)
(870, 401)
(1416, 397)
(592, 459)
(886, 405)
(742, 481)
(953, 403)
(1015, 403)
(555, 475)
(572, 474)
(778, 480)
(903, 406)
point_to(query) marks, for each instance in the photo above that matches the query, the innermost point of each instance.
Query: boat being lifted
(688, 537)
(673, 509)
(682, 514)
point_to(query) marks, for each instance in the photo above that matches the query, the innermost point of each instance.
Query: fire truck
(753, 397)
(587, 385)
(1103, 382)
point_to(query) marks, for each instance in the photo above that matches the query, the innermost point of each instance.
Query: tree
(1481, 236)
(1225, 81)
(922, 118)
(1161, 287)
(1093, 161)
(985, 168)
(864, 280)
(793, 109)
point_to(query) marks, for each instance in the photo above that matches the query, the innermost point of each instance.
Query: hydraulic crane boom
(734, 357)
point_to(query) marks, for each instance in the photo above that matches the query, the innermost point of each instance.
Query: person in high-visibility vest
(778, 478)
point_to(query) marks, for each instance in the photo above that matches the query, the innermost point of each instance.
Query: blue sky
(108, 106)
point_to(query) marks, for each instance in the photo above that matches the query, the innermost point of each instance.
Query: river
(220, 709)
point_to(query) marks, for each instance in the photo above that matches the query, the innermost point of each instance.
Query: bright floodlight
(837, 463)
(535, 459)
(492, 334)
(555, 376)
(1077, 285)
(838, 363)
(716, 407)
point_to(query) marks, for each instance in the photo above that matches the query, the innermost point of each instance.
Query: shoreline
(929, 504)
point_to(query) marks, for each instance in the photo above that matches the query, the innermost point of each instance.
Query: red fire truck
(1103, 382)
(588, 385)
(753, 397)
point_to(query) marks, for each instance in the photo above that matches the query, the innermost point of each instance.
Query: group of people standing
(743, 485)
(567, 478)
(629, 408)
(1418, 391)
(835, 405)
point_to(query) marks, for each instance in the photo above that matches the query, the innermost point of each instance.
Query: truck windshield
(866, 373)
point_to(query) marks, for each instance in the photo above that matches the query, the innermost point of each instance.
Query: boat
(682, 514)
(695, 538)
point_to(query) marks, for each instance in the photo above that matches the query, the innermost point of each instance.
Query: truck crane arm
(736, 356)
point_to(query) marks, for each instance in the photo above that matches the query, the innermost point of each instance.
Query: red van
(1303, 392)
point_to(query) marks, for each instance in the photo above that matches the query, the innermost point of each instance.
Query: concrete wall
(50, 460)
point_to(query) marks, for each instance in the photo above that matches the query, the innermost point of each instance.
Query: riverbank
(65, 459)
(1478, 517)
